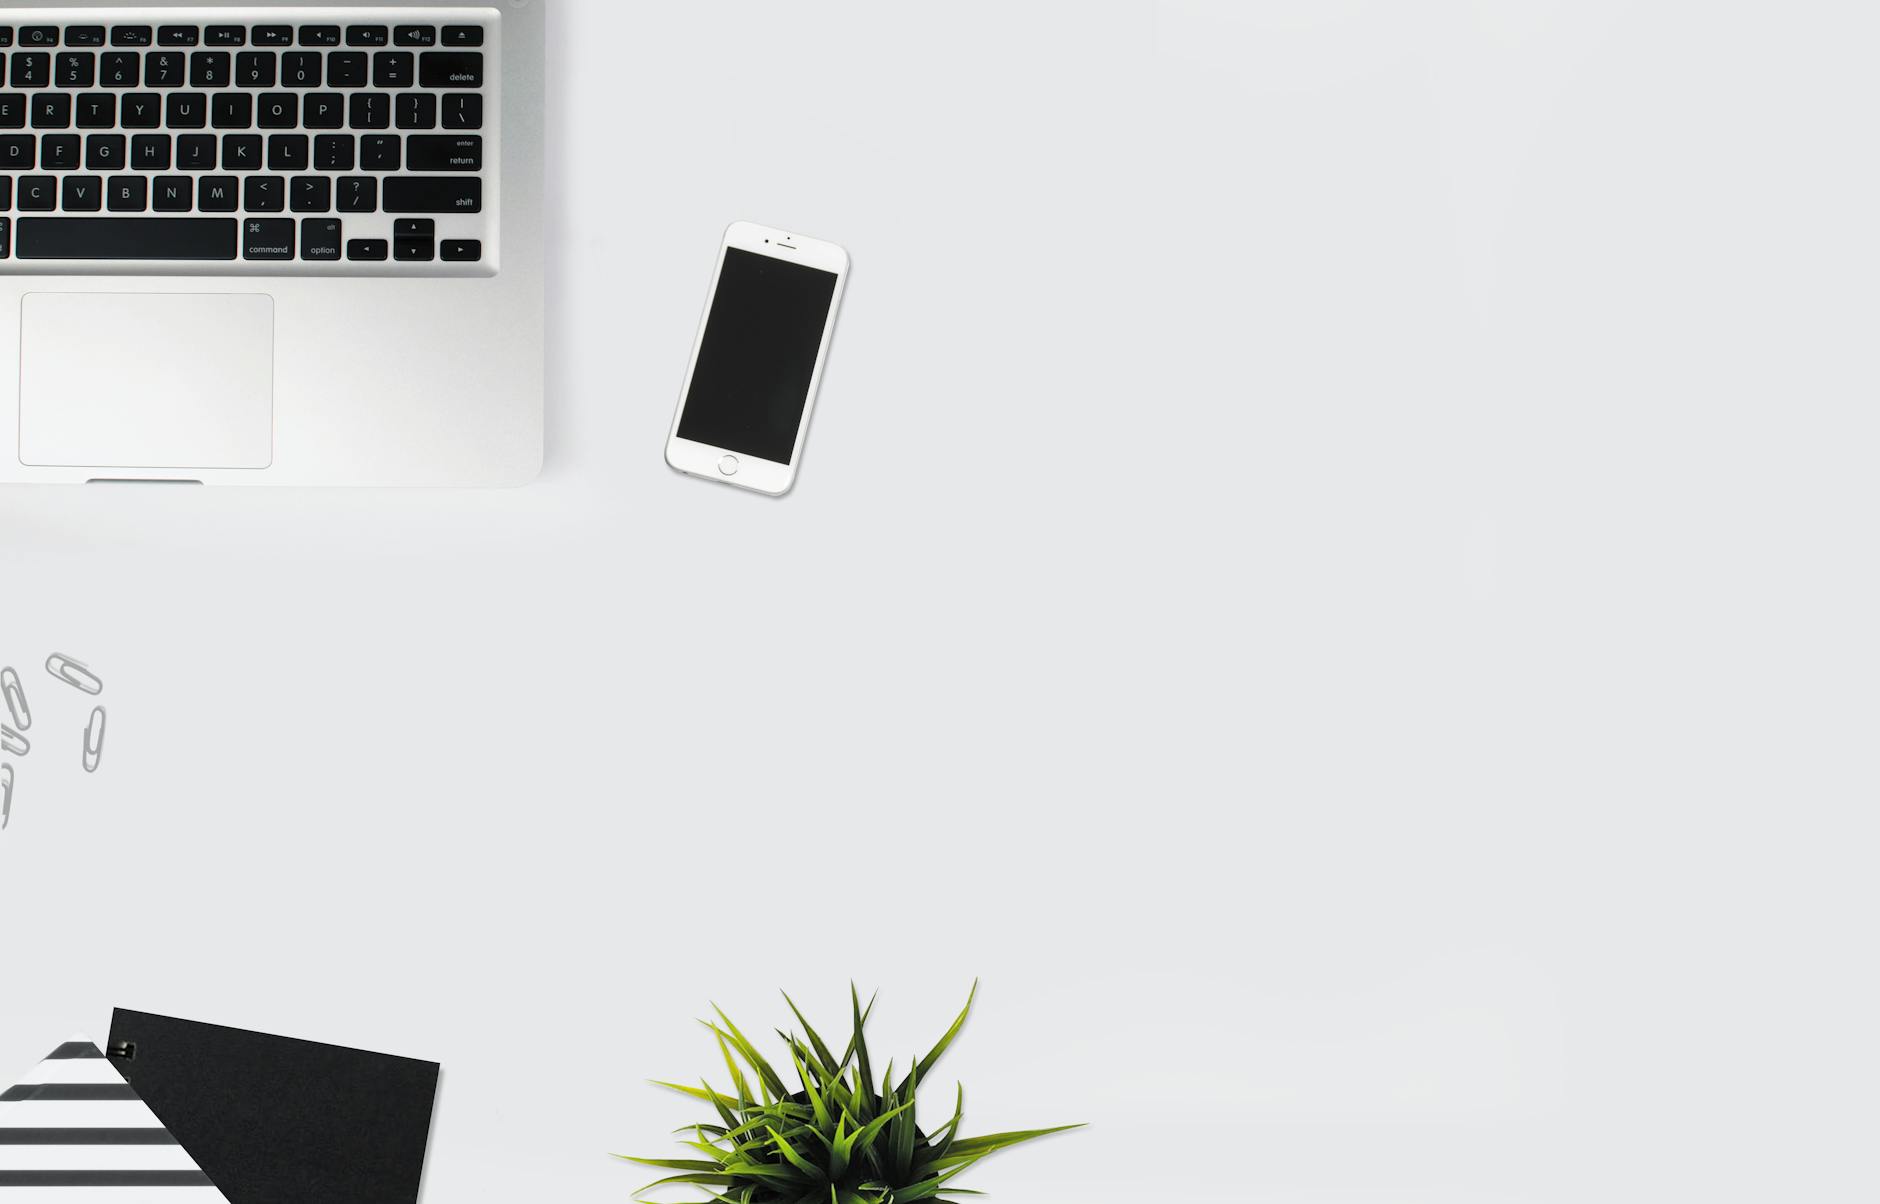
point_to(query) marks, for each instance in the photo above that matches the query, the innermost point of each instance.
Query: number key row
(248, 69)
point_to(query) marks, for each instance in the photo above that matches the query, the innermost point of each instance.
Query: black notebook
(273, 1120)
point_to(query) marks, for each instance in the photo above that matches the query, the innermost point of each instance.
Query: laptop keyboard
(273, 146)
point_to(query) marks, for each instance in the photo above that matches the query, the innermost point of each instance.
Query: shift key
(433, 194)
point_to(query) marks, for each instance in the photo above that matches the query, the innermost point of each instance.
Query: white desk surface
(1334, 570)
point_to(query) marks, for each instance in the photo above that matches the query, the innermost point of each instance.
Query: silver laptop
(271, 244)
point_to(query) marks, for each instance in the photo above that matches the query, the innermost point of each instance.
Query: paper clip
(15, 698)
(94, 740)
(6, 796)
(12, 742)
(72, 673)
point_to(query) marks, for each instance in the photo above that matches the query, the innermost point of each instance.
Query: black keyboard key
(59, 152)
(463, 35)
(346, 70)
(367, 35)
(6, 236)
(444, 152)
(6, 36)
(38, 194)
(416, 111)
(368, 249)
(132, 35)
(448, 69)
(358, 194)
(209, 69)
(371, 111)
(232, 111)
(178, 35)
(274, 35)
(310, 194)
(6, 192)
(32, 69)
(268, 238)
(173, 194)
(256, 69)
(12, 111)
(279, 111)
(320, 239)
(220, 194)
(241, 152)
(301, 69)
(193, 238)
(433, 194)
(52, 111)
(150, 152)
(187, 111)
(225, 35)
(39, 35)
(335, 152)
(265, 194)
(83, 194)
(76, 69)
(84, 35)
(414, 240)
(319, 35)
(196, 152)
(380, 152)
(414, 35)
(18, 152)
(96, 111)
(106, 152)
(463, 111)
(127, 194)
(289, 152)
(325, 111)
(121, 70)
(392, 69)
(141, 111)
(164, 69)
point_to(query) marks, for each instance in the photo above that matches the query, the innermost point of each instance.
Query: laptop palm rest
(147, 380)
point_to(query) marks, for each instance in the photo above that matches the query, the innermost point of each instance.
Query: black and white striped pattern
(76, 1133)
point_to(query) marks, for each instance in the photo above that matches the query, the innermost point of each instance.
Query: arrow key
(414, 240)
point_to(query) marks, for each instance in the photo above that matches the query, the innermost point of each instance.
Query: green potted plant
(836, 1136)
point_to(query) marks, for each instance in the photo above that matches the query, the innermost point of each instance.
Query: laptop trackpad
(144, 380)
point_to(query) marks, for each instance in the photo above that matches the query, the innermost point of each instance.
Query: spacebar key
(125, 238)
(433, 194)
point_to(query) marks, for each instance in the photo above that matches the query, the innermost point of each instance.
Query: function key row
(34, 36)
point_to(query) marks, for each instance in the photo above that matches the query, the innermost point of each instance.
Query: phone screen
(752, 379)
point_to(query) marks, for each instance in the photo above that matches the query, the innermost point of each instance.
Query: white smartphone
(744, 410)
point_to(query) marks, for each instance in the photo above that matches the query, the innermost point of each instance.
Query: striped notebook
(76, 1133)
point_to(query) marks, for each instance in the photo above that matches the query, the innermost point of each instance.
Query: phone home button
(728, 466)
